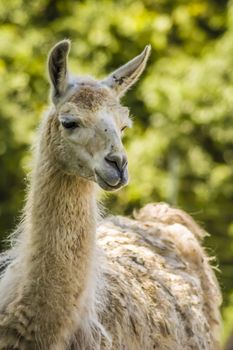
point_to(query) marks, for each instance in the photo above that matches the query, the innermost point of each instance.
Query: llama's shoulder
(159, 275)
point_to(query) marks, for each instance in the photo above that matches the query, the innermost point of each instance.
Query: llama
(69, 280)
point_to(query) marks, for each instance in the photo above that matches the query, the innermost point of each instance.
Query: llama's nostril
(117, 161)
(124, 162)
(112, 163)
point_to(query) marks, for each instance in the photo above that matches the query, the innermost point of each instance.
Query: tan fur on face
(91, 98)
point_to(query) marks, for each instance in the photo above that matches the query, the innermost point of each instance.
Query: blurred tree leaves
(181, 146)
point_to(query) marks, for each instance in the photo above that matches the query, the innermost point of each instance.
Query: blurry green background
(181, 147)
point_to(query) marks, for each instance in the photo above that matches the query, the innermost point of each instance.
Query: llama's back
(160, 290)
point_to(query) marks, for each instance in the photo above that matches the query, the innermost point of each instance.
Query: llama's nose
(119, 161)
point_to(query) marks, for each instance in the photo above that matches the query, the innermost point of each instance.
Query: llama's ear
(57, 67)
(125, 76)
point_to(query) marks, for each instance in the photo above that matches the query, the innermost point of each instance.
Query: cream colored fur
(71, 282)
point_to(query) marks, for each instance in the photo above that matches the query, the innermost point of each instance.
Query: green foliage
(180, 149)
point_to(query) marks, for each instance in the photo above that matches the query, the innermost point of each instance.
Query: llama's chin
(108, 187)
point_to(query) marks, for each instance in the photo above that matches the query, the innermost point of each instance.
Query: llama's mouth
(106, 186)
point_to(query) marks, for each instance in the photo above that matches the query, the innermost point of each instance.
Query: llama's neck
(61, 218)
(60, 226)
(61, 209)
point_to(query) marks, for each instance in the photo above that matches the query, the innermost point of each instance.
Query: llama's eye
(69, 124)
(123, 128)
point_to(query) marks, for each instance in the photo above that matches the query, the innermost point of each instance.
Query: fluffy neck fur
(58, 239)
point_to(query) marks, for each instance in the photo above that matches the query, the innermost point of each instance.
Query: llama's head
(90, 119)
